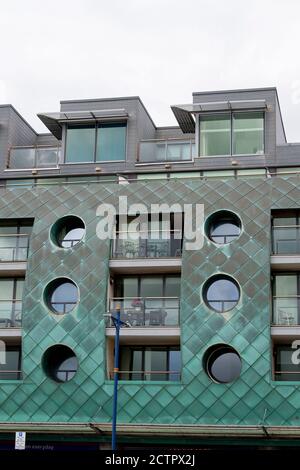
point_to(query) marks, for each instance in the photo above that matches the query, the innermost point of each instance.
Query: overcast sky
(161, 50)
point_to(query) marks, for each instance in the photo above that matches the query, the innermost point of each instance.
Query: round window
(61, 295)
(222, 363)
(223, 227)
(67, 231)
(60, 363)
(221, 293)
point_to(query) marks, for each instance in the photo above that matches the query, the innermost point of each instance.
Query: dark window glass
(60, 363)
(286, 232)
(223, 364)
(285, 362)
(221, 293)
(150, 363)
(61, 296)
(11, 370)
(68, 231)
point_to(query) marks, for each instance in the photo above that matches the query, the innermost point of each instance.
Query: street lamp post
(117, 323)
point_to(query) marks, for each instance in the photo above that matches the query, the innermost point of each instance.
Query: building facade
(208, 350)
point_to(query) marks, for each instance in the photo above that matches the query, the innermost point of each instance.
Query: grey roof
(54, 121)
(184, 112)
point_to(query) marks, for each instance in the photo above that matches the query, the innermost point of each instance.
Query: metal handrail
(144, 373)
(167, 139)
(285, 226)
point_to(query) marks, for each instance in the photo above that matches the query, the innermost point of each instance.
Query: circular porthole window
(67, 231)
(60, 363)
(222, 363)
(223, 227)
(61, 295)
(221, 293)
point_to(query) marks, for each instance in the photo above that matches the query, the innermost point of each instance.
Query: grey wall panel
(172, 133)
(46, 139)
(288, 154)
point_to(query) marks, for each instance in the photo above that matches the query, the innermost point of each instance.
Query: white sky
(161, 50)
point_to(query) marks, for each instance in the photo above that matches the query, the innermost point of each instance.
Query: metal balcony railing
(33, 157)
(10, 313)
(287, 375)
(146, 311)
(10, 374)
(144, 244)
(286, 239)
(171, 150)
(286, 310)
(14, 247)
(163, 375)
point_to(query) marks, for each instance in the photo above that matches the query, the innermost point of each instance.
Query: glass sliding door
(80, 144)
(248, 133)
(111, 142)
(215, 135)
(286, 299)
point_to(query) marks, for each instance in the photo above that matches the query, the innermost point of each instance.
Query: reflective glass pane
(64, 297)
(178, 151)
(22, 158)
(248, 133)
(285, 285)
(11, 369)
(67, 369)
(80, 145)
(224, 365)
(222, 294)
(174, 364)
(215, 135)
(46, 157)
(111, 142)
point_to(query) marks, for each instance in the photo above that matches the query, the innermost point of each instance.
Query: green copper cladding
(253, 399)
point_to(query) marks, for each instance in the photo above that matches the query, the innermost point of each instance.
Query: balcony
(146, 311)
(21, 158)
(159, 245)
(10, 313)
(171, 150)
(14, 247)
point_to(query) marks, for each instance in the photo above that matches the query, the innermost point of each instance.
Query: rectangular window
(286, 232)
(248, 133)
(150, 363)
(215, 135)
(237, 133)
(11, 292)
(80, 144)
(111, 142)
(11, 370)
(91, 143)
(286, 296)
(285, 369)
(14, 240)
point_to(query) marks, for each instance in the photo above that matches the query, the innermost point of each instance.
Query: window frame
(231, 113)
(273, 285)
(96, 125)
(149, 348)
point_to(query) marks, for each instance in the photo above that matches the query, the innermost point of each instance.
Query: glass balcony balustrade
(33, 157)
(146, 311)
(286, 239)
(10, 313)
(172, 150)
(14, 247)
(155, 244)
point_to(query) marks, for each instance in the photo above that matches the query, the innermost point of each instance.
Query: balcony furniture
(157, 317)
